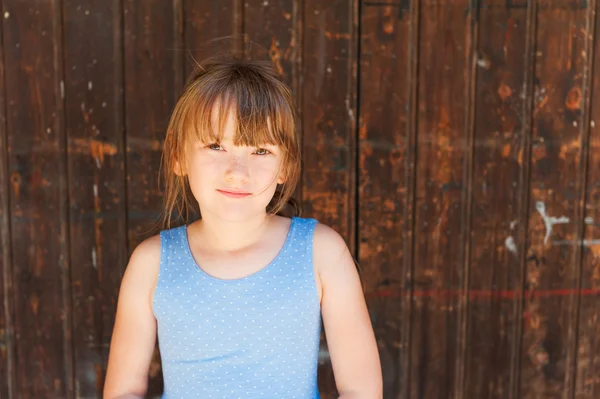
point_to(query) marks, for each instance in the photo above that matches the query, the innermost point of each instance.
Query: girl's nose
(237, 169)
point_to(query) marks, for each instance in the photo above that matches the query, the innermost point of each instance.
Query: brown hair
(264, 111)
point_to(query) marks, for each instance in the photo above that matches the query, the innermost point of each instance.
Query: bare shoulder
(147, 250)
(330, 250)
(142, 269)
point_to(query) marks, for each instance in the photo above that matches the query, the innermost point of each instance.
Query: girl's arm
(350, 337)
(134, 333)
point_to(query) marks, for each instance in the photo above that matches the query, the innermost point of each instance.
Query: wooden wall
(452, 142)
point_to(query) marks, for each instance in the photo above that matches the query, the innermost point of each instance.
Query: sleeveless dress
(253, 337)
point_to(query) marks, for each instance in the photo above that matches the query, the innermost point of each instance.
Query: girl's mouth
(234, 194)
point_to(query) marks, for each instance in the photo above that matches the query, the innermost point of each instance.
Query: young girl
(236, 298)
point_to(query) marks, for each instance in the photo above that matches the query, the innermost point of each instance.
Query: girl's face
(232, 182)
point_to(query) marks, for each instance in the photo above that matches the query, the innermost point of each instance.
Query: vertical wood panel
(329, 114)
(555, 223)
(386, 168)
(94, 124)
(270, 26)
(441, 198)
(39, 222)
(497, 199)
(587, 384)
(210, 28)
(153, 80)
(7, 338)
(329, 126)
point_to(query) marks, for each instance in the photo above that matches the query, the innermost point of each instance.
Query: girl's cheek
(208, 158)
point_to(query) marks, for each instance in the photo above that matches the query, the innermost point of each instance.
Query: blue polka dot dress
(253, 337)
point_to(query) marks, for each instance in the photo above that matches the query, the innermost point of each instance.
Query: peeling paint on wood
(548, 330)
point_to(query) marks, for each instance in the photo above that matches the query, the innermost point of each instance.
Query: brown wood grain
(38, 198)
(211, 27)
(271, 33)
(329, 96)
(153, 79)
(556, 194)
(587, 384)
(386, 170)
(7, 338)
(329, 72)
(98, 231)
(441, 210)
(497, 190)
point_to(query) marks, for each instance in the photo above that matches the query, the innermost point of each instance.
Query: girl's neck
(225, 236)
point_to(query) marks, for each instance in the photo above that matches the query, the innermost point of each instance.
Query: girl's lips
(233, 194)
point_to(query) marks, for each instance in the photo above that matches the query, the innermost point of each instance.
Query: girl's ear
(177, 169)
(281, 177)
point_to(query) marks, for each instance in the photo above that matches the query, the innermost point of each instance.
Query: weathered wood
(556, 194)
(210, 28)
(7, 337)
(441, 210)
(329, 125)
(153, 80)
(329, 96)
(587, 384)
(270, 29)
(94, 124)
(38, 199)
(497, 200)
(386, 164)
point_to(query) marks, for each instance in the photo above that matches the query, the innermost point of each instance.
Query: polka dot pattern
(254, 337)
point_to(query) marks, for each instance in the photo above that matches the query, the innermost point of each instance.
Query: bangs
(261, 113)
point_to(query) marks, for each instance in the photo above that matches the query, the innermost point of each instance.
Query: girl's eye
(262, 151)
(215, 147)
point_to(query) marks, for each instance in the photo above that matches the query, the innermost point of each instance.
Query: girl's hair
(264, 112)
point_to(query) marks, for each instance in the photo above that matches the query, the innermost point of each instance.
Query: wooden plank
(153, 80)
(329, 97)
(386, 164)
(497, 189)
(271, 31)
(556, 193)
(210, 28)
(587, 384)
(441, 209)
(94, 124)
(329, 125)
(7, 338)
(38, 198)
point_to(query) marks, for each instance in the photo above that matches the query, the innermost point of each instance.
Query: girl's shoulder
(146, 255)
